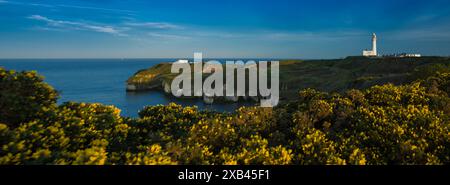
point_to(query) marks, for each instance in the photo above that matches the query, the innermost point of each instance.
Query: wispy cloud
(68, 6)
(154, 25)
(96, 8)
(72, 25)
(151, 29)
(167, 36)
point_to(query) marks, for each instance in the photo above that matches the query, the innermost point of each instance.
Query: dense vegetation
(388, 124)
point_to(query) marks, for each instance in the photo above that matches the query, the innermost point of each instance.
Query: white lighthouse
(373, 52)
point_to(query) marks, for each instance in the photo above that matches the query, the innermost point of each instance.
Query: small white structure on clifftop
(373, 52)
(182, 61)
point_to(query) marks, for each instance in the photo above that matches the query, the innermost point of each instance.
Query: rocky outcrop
(131, 87)
(141, 87)
(166, 87)
(208, 99)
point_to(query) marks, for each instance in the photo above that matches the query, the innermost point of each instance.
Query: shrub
(24, 97)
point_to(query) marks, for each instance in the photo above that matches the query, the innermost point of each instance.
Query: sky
(221, 29)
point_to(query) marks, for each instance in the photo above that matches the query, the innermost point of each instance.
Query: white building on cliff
(373, 52)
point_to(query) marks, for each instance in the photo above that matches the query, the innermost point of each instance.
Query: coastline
(331, 75)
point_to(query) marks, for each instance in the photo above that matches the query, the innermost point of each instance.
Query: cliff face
(324, 75)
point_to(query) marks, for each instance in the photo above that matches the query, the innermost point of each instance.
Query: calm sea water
(103, 81)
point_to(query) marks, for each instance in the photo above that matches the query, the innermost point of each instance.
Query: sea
(104, 81)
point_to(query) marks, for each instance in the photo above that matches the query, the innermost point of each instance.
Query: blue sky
(232, 28)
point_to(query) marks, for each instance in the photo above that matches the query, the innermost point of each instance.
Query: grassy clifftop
(356, 73)
(150, 78)
(335, 75)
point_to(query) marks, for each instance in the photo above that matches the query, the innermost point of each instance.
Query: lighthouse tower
(373, 52)
(374, 44)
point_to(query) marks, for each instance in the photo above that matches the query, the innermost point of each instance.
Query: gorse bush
(387, 124)
(24, 97)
